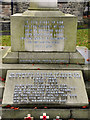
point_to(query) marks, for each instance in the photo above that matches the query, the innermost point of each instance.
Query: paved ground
(85, 53)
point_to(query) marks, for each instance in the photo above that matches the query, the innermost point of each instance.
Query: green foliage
(82, 39)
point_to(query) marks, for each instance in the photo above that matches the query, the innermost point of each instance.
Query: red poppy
(88, 59)
(45, 107)
(44, 117)
(8, 106)
(72, 119)
(62, 63)
(84, 106)
(12, 107)
(16, 108)
(29, 118)
(67, 65)
(38, 68)
(2, 47)
(2, 79)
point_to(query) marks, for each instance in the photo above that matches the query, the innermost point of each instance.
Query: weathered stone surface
(5, 67)
(20, 43)
(4, 50)
(21, 113)
(86, 71)
(10, 57)
(72, 76)
(76, 58)
(43, 3)
(1, 89)
(27, 57)
(88, 88)
(84, 114)
(64, 113)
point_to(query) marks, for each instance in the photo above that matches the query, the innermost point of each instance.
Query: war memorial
(45, 73)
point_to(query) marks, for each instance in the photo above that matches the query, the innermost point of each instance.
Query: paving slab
(85, 53)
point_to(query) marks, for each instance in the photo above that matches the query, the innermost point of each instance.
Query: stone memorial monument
(43, 36)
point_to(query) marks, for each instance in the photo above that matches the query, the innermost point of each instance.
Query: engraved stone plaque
(50, 87)
(44, 35)
(45, 31)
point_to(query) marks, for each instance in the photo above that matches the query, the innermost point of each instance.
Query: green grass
(82, 39)
(5, 31)
(5, 40)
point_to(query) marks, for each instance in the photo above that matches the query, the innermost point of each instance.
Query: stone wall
(74, 8)
(71, 8)
(5, 11)
(21, 7)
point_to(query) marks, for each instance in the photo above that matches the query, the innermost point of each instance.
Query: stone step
(52, 113)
